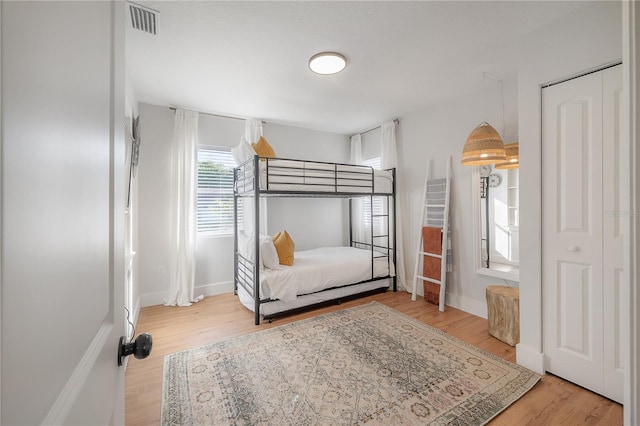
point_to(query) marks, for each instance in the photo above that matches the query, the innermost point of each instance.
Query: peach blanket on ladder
(431, 266)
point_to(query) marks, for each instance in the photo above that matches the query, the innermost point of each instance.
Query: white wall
(154, 208)
(584, 40)
(130, 100)
(435, 134)
(311, 222)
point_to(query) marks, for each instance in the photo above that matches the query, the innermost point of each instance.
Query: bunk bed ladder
(433, 241)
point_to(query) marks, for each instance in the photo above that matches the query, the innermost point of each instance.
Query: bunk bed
(323, 274)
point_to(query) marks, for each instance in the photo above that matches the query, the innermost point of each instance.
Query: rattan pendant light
(484, 146)
(513, 157)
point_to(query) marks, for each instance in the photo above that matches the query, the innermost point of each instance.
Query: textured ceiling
(250, 59)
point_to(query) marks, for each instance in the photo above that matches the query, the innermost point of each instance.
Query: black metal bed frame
(345, 180)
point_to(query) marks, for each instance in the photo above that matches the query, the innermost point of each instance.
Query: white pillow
(243, 152)
(268, 253)
(251, 251)
(243, 244)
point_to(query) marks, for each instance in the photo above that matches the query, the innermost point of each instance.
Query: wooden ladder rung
(431, 280)
(424, 253)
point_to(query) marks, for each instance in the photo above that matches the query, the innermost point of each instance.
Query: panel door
(572, 231)
(62, 212)
(615, 292)
(582, 234)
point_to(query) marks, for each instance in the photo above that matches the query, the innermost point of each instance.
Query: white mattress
(303, 176)
(319, 269)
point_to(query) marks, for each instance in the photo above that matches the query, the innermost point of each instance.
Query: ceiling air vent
(143, 18)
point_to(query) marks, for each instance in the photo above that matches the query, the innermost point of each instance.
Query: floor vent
(143, 18)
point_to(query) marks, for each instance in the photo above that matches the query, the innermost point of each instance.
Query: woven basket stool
(503, 312)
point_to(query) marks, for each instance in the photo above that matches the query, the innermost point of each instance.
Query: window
(215, 191)
(373, 162)
(513, 177)
(377, 201)
(503, 217)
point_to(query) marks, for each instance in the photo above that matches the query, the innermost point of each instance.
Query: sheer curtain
(357, 224)
(252, 130)
(389, 158)
(252, 133)
(183, 217)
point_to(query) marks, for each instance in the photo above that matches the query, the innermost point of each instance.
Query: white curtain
(183, 217)
(252, 130)
(356, 149)
(357, 225)
(252, 133)
(389, 158)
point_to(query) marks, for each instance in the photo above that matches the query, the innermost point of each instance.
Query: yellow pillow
(263, 149)
(285, 247)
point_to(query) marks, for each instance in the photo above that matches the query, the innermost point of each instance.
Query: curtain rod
(395, 120)
(217, 115)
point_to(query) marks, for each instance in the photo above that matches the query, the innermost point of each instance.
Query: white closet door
(615, 293)
(581, 231)
(572, 230)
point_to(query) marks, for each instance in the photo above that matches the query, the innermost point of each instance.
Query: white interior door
(581, 327)
(616, 292)
(572, 230)
(62, 212)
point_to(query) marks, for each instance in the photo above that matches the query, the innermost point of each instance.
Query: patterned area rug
(365, 365)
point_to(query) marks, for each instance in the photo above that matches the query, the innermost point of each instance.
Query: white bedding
(321, 268)
(292, 175)
(274, 307)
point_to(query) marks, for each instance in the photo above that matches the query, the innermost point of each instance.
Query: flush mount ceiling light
(327, 63)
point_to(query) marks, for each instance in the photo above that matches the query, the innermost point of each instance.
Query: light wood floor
(552, 401)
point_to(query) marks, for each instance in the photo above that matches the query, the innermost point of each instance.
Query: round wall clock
(484, 169)
(494, 180)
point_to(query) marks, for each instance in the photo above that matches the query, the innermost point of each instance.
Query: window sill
(505, 272)
(212, 236)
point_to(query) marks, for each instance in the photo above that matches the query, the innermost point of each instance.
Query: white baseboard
(530, 358)
(214, 289)
(152, 299)
(471, 306)
(157, 298)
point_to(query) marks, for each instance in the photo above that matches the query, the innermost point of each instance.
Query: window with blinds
(215, 192)
(375, 163)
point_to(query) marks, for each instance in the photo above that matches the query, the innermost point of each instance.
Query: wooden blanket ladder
(433, 244)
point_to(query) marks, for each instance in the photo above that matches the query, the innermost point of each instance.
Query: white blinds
(377, 201)
(215, 192)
